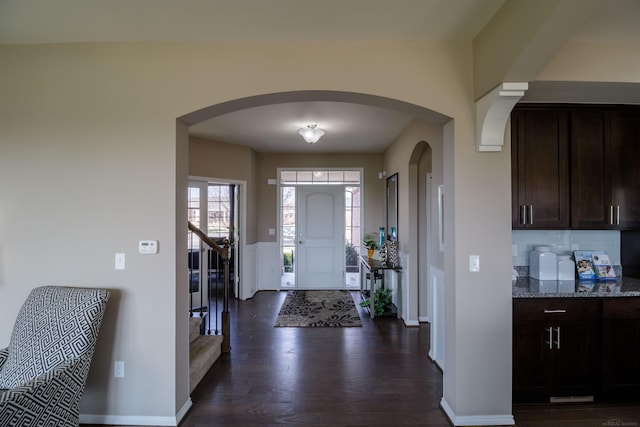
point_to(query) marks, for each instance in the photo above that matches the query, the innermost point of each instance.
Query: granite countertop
(527, 287)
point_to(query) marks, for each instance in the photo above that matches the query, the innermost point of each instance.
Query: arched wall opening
(408, 233)
(422, 160)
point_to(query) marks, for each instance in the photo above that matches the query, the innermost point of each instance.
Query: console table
(371, 269)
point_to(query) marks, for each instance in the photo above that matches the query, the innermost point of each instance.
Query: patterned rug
(316, 309)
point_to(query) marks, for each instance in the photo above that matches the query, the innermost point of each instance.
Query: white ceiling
(350, 127)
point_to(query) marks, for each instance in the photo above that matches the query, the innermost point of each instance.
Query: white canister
(566, 268)
(543, 264)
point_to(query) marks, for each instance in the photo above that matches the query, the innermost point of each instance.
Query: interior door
(320, 244)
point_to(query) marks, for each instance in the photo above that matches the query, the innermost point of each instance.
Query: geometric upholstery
(46, 364)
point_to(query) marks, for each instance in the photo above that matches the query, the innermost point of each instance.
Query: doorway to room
(320, 217)
(213, 207)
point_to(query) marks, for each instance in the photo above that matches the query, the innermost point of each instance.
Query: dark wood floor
(371, 376)
(375, 375)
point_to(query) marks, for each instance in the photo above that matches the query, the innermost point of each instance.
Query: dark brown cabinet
(605, 182)
(540, 168)
(590, 195)
(575, 167)
(624, 173)
(621, 349)
(556, 344)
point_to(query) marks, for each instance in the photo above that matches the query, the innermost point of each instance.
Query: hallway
(375, 375)
(371, 376)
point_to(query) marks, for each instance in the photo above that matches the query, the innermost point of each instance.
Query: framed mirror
(392, 207)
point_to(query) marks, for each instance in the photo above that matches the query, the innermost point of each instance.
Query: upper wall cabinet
(590, 197)
(624, 168)
(603, 143)
(540, 168)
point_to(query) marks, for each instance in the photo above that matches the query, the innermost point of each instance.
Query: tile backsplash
(565, 242)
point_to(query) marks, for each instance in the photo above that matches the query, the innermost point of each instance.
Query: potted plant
(370, 243)
(381, 301)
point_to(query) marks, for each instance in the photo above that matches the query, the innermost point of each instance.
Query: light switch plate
(120, 261)
(474, 263)
(118, 369)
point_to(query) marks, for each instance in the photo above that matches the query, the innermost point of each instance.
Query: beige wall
(91, 162)
(522, 38)
(228, 161)
(89, 154)
(595, 62)
(403, 157)
(214, 159)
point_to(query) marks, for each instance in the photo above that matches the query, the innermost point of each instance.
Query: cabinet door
(621, 353)
(540, 156)
(623, 167)
(575, 359)
(621, 349)
(589, 199)
(530, 353)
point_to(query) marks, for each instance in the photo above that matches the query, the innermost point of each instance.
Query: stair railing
(207, 245)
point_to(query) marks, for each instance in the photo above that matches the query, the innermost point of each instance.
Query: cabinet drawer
(552, 309)
(621, 308)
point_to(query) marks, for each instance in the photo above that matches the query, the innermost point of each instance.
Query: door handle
(523, 215)
(549, 341)
(531, 214)
(301, 241)
(554, 311)
(558, 337)
(617, 214)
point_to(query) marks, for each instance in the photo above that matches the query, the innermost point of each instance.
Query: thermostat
(148, 246)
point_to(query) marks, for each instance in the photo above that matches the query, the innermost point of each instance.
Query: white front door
(320, 237)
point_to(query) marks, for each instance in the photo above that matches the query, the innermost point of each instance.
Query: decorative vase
(370, 253)
(391, 251)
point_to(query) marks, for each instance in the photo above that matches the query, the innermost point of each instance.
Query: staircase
(204, 350)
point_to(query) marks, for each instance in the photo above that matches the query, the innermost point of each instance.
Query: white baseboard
(183, 411)
(136, 420)
(423, 319)
(431, 356)
(411, 323)
(268, 266)
(476, 420)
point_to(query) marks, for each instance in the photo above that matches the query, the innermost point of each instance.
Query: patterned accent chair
(44, 369)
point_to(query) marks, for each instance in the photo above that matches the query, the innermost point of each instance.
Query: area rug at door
(316, 309)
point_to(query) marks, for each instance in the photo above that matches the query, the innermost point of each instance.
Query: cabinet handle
(555, 311)
(549, 341)
(617, 214)
(611, 215)
(523, 214)
(531, 214)
(558, 337)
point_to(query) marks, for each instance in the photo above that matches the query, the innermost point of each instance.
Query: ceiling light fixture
(311, 133)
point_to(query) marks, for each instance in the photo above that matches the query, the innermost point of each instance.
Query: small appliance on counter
(566, 268)
(543, 264)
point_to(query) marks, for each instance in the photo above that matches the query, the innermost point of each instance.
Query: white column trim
(476, 420)
(493, 111)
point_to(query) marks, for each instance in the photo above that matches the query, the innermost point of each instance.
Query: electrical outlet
(118, 369)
